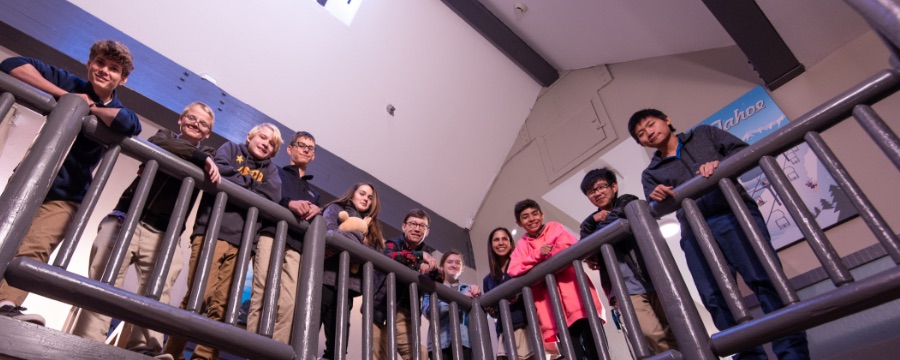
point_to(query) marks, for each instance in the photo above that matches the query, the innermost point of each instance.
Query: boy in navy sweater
(109, 64)
(299, 196)
(677, 159)
(250, 166)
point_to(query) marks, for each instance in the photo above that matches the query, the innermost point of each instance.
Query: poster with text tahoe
(754, 116)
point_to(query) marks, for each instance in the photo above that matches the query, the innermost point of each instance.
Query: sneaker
(157, 355)
(8, 309)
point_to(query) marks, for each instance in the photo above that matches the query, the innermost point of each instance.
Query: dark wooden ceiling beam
(757, 38)
(510, 44)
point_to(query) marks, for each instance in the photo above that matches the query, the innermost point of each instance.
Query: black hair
(301, 134)
(595, 175)
(643, 114)
(495, 261)
(525, 204)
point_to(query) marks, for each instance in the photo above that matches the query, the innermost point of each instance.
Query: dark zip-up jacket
(638, 281)
(293, 187)
(237, 165)
(164, 189)
(703, 144)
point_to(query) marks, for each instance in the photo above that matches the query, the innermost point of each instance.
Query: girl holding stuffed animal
(361, 202)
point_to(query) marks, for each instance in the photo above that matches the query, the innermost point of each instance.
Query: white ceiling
(575, 34)
(460, 103)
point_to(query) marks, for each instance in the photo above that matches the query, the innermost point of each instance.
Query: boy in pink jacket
(540, 242)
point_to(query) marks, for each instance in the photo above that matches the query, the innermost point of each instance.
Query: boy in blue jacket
(109, 64)
(677, 159)
(250, 166)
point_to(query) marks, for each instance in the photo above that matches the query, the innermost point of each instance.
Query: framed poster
(755, 115)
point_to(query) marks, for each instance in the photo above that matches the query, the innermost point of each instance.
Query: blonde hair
(205, 108)
(276, 139)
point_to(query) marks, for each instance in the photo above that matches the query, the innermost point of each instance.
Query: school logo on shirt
(255, 174)
(239, 159)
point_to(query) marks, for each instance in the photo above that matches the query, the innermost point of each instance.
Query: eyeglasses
(194, 120)
(301, 146)
(413, 225)
(598, 189)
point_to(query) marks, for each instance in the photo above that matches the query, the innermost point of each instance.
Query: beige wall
(689, 88)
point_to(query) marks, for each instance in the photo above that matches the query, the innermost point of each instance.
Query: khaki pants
(523, 346)
(46, 232)
(214, 298)
(404, 347)
(654, 324)
(284, 315)
(142, 253)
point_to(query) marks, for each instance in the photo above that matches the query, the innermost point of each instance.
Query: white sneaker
(8, 309)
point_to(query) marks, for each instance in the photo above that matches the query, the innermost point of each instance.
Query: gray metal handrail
(27, 94)
(691, 336)
(104, 298)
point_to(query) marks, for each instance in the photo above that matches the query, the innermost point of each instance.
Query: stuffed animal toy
(352, 223)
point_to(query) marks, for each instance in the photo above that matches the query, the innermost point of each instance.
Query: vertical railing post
(692, 337)
(342, 315)
(566, 348)
(368, 310)
(811, 230)
(415, 339)
(28, 186)
(633, 333)
(126, 232)
(391, 325)
(272, 286)
(534, 323)
(587, 298)
(860, 201)
(480, 333)
(207, 252)
(86, 208)
(456, 344)
(248, 237)
(305, 337)
(170, 240)
(716, 261)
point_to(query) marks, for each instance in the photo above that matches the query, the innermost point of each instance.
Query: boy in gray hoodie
(677, 159)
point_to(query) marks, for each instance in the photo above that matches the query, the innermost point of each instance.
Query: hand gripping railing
(394, 272)
(24, 196)
(29, 185)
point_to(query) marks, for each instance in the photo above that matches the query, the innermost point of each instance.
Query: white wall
(458, 99)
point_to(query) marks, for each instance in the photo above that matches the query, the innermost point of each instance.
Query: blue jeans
(740, 258)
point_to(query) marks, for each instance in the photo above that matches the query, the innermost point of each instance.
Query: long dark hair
(495, 261)
(374, 237)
